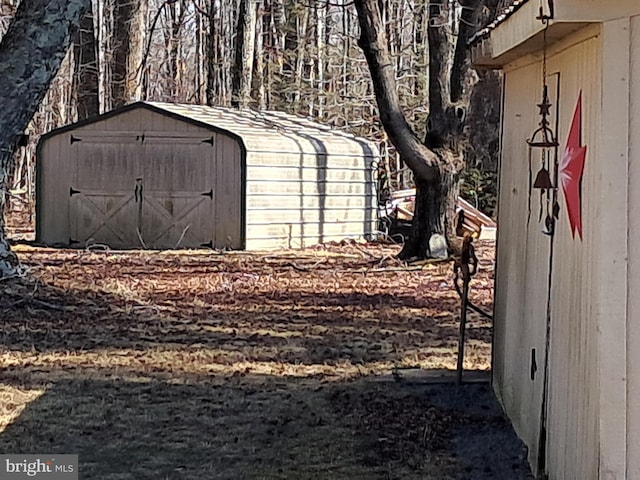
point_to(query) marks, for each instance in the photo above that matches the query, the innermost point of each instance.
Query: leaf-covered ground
(276, 365)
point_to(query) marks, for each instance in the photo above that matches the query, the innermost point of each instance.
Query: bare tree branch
(373, 41)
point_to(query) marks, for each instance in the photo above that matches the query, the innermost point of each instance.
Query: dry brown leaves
(193, 352)
(340, 310)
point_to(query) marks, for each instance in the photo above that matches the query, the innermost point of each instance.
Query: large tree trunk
(30, 54)
(431, 166)
(200, 51)
(437, 162)
(218, 52)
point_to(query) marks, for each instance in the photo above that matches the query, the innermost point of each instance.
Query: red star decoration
(570, 171)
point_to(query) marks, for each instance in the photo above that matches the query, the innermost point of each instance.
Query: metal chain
(544, 51)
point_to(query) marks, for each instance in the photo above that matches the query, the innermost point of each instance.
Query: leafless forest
(295, 55)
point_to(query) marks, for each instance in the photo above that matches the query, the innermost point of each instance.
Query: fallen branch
(50, 306)
(30, 298)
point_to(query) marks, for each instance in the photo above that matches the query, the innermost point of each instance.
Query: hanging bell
(543, 179)
(543, 137)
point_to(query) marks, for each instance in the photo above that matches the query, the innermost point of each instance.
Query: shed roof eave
(253, 126)
(502, 48)
(482, 55)
(252, 130)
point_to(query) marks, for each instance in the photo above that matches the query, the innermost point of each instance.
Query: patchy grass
(172, 365)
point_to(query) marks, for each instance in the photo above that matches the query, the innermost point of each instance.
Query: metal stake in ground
(463, 270)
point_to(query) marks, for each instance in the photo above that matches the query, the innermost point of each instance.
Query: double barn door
(135, 191)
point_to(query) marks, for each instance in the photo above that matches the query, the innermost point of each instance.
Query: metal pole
(463, 324)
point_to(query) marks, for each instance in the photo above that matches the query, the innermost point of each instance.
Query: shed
(566, 357)
(159, 175)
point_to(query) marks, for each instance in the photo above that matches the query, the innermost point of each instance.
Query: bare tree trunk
(200, 69)
(212, 54)
(128, 46)
(426, 164)
(438, 162)
(41, 32)
(274, 35)
(244, 50)
(321, 32)
(219, 47)
(86, 68)
(259, 59)
(278, 34)
(174, 67)
(301, 37)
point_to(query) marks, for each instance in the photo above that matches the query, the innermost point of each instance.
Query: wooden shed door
(151, 193)
(101, 196)
(178, 193)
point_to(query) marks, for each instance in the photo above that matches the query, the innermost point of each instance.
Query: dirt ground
(311, 364)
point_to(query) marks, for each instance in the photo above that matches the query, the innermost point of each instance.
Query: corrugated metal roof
(505, 9)
(257, 128)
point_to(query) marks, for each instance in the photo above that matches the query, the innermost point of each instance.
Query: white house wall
(520, 307)
(611, 292)
(523, 270)
(633, 326)
(573, 407)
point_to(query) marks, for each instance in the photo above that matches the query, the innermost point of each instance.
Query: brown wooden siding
(177, 171)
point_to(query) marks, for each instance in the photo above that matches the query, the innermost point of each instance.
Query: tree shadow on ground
(180, 366)
(258, 427)
(323, 328)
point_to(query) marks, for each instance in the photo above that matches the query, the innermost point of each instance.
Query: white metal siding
(305, 182)
(296, 200)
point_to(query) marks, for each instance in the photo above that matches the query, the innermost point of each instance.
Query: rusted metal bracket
(464, 269)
